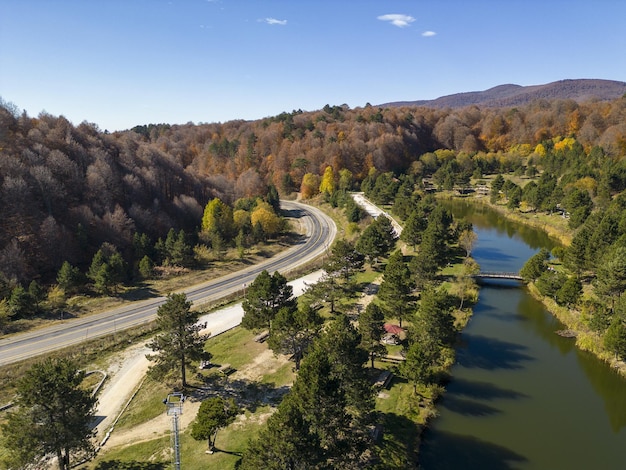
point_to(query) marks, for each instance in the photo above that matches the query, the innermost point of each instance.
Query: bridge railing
(498, 275)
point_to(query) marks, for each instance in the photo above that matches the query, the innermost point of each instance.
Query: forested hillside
(517, 95)
(66, 189)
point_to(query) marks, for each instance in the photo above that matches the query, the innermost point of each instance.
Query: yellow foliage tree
(241, 218)
(310, 185)
(565, 144)
(540, 150)
(328, 181)
(265, 215)
(588, 184)
(218, 217)
(573, 123)
(345, 179)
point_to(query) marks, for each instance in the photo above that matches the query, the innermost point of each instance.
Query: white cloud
(274, 21)
(401, 21)
(428, 34)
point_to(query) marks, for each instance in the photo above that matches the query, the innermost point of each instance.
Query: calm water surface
(522, 397)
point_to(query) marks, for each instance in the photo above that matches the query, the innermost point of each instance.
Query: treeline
(74, 187)
(327, 418)
(249, 221)
(591, 274)
(65, 190)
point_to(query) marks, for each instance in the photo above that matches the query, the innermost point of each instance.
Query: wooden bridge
(498, 275)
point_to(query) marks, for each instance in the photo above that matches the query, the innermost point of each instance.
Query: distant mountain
(504, 96)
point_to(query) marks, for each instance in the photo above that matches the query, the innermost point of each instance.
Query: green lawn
(235, 347)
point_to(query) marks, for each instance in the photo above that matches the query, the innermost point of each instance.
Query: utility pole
(174, 403)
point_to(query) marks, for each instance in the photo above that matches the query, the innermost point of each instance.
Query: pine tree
(615, 338)
(69, 278)
(54, 414)
(179, 341)
(293, 331)
(414, 228)
(396, 288)
(372, 329)
(214, 414)
(535, 266)
(266, 295)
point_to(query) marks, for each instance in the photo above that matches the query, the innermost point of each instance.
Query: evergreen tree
(327, 290)
(377, 239)
(20, 303)
(615, 338)
(119, 269)
(54, 414)
(214, 414)
(433, 318)
(103, 279)
(146, 267)
(286, 442)
(610, 282)
(293, 331)
(182, 251)
(266, 295)
(396, 288)
(179, 341)
(272, 198)
(69, 278)
(36, 293)
(142, 246)
(414, 228)
(569, 294)
(5, 314)
(341, 343)
(354, 212)
(372, 329)
(344, 262)
(419, 363)
(550, 282)
(96, 264)
(496, 187)
(575, 255)
(535, 266)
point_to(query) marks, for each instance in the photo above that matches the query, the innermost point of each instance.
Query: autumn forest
(66, 189)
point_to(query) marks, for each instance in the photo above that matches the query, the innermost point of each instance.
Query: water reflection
(520, 395)
(483, 352)
(458, 451)
(483, 217)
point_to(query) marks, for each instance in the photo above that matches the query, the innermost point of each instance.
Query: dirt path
(264, 363)
(128, 371)
(125, 374)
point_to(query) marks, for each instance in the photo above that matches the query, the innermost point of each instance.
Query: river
(520, 396)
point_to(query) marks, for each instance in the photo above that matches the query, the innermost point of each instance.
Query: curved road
(320, 232)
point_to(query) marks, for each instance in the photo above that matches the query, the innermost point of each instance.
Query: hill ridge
(509, 95)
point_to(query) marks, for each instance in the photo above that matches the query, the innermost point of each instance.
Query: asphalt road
(320, 232)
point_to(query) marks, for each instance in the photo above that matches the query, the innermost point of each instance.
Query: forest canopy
(65, 189)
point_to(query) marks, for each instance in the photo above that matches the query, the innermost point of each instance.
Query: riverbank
(586, 340)
(555, 227)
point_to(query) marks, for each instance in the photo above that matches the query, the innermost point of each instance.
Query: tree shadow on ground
(130, 465)
(454, 451)
(397, 449)
(141, 292)
(247, 394)
(217, 449)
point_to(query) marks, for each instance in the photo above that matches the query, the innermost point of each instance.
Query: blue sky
(119, 63)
